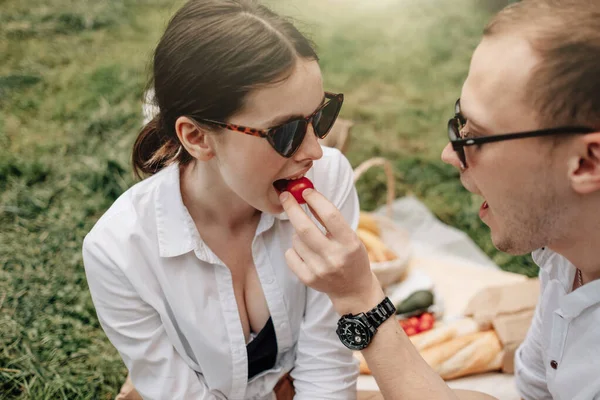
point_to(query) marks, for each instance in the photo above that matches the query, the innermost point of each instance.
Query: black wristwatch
(357, 331)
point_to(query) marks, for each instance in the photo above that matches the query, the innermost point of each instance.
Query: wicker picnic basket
(395, 238)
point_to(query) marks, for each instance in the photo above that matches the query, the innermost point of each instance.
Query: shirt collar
(282, 217)
(574, 302)
(177, 233)
(577, 301)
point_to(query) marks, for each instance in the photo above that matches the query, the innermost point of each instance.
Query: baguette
(483, 354)
(444, 333)
(455, 350)
(434, 355)
(437, 355)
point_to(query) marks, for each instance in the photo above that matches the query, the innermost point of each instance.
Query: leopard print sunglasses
(287, 138)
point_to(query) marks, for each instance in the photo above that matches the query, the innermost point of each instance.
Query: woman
(187, 268)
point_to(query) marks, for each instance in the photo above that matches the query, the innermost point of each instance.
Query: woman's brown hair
(212, 54)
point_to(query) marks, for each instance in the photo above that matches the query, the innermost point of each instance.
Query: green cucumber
(418, 300)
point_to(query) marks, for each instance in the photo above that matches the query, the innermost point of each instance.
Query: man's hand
(335, 263)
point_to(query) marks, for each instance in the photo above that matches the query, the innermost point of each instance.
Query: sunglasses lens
(454, 135)
(287, 138)
(453, 129)
(324, 119)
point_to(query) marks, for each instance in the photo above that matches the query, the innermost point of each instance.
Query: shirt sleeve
(324, 367)
(135, 329)
(530, 373)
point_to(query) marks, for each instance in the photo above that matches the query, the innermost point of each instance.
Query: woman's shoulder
(133, 212)
(332, 168)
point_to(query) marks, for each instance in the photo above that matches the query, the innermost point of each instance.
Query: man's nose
(449, 156)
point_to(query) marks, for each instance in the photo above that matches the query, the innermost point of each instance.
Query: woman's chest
(202, 300)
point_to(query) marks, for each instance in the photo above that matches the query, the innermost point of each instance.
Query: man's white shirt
(560, 358)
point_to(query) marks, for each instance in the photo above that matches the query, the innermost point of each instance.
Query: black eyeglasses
(457, 123)
(287, 138)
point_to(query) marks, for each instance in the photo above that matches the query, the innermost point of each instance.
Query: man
(536, 78)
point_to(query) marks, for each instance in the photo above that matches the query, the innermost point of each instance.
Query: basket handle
(389, 172)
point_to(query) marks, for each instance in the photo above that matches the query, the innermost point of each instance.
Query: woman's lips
(280, 185)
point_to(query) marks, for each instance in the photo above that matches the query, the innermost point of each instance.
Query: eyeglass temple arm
(521, 135)
(236, 128)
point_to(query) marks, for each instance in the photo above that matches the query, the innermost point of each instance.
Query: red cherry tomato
(296, 187)
(427, 317)
(425, 325)
(410, 331)
(413, 321)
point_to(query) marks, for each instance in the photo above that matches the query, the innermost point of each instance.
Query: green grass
(71, 81)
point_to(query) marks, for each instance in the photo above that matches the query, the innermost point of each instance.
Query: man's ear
(584, 166)
(194, 139)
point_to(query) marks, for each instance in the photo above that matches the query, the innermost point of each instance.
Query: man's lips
(484, 206)
(483, 210)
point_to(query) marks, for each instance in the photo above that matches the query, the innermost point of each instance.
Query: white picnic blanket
(430, 237)
(430, 234)
(500, 386)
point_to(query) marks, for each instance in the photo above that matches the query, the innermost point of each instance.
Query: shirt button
(554, 364)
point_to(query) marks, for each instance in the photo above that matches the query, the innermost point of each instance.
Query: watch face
(354, 334)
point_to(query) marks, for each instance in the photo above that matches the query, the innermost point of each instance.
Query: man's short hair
(565, 34)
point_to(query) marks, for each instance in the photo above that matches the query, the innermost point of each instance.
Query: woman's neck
(210, 201)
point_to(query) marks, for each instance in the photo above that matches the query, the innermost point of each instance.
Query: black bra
(262, 351)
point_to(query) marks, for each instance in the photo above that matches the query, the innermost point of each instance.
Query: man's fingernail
(306, 192)
(284, 196)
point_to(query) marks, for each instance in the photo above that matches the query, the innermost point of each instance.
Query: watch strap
(381, 312)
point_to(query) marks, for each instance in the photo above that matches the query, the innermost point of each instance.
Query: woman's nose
(310, 149)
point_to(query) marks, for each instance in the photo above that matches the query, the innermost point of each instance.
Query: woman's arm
(324, 367)
(135, 329)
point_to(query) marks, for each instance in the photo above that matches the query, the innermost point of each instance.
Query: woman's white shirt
(166, 301)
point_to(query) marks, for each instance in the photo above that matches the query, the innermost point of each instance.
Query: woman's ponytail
(154, 149)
